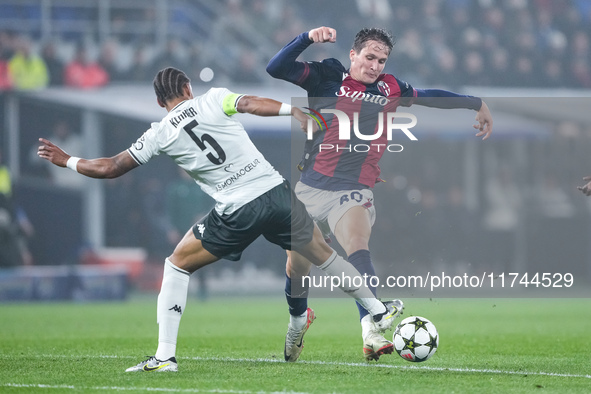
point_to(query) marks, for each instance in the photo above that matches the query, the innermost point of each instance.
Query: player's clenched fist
(323, 34)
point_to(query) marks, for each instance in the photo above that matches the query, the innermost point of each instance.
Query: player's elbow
(274, 69)
(109, 170)
(106, 171)
(119, 165)
(247, 104)
(111, 174)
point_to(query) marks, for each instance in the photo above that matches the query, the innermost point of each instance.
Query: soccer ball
(416, 339)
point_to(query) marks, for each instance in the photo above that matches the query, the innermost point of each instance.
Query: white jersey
(213, 148)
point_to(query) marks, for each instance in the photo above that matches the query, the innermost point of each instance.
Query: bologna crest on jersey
(384, 88)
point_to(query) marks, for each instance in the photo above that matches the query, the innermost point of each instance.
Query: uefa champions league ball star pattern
(416, 339)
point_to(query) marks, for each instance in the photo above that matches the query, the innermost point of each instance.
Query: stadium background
(451, 203)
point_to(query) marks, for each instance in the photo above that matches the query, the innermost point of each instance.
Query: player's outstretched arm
(438, 98)
(260, 106)
(263, 106)
(111, 167)
(586, 189)
(485, 122)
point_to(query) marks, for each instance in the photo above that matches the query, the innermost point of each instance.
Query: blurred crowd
(505, 43)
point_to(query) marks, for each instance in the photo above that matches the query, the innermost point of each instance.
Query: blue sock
(297, 306)
(361, 260)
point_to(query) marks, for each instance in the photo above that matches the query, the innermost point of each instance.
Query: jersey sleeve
(406, 90)
(284, 65)
(230, 103)
(443, 99)
(317, 72)
(407, 93)
(226, 99)
(145, 147)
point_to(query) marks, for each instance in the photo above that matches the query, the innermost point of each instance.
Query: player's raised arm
(284, 65)
(111, 167)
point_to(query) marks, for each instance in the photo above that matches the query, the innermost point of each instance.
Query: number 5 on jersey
(221, 155)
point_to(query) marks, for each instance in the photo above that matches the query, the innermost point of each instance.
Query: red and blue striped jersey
(342, 168)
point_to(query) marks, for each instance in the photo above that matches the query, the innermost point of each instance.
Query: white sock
(338, 267)
(171, 306)
(298, 322)
(366, 326)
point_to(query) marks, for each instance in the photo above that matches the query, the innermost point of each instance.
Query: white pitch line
(364, 365)
(157, 389)
(406, 367)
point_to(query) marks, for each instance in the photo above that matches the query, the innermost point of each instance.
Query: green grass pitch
(230, 345)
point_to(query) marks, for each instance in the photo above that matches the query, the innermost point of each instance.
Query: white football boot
(294, 340)
(384, 321)
(152, 364)
(375, 345)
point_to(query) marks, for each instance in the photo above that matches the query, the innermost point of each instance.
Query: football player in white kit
(252, 199)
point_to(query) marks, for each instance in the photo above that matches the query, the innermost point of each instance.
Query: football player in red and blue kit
(336, 184)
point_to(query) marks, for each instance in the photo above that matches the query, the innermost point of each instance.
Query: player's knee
(322, 250)
(297, 266)
(182, 258)
(316, 251)
(177, 260)
(288, 264)
(357, 242)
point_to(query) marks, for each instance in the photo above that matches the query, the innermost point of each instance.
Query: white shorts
(328, 207)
